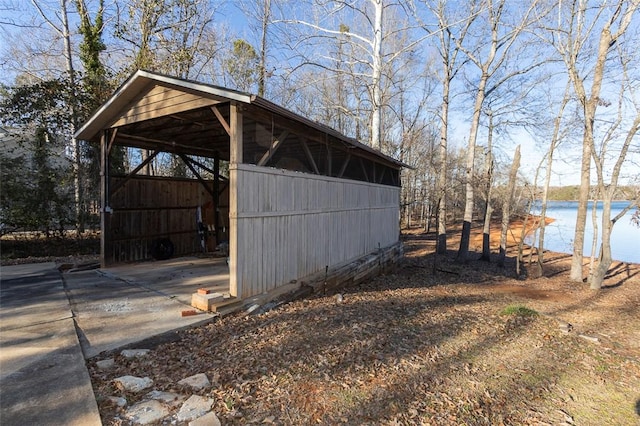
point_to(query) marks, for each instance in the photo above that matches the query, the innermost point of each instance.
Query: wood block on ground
(227, 306)
(205, 302)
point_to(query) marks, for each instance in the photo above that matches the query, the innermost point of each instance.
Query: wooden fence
(290, 225)
(146, 209)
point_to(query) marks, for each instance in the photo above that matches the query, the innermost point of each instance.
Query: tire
(162, 249)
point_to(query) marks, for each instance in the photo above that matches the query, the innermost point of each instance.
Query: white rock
(133, 353)
(147, 412)
(132, 383)
(194, 407)
(171, 399)
(209, 419)
(105, 364)
(118, 400)
(196, 382)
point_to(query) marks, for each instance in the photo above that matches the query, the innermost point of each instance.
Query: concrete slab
(178, 278)
(119, 306)
(43, 379)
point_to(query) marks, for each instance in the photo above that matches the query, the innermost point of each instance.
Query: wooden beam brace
(202, 166)
(221, 119)
(344, 165)
(384, 169)
(307, 151)
(364, 170)
(203, 182)
(111, 140)
(147, 160)
(273, 148)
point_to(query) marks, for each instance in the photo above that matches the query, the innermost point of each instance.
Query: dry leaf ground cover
(467, 345)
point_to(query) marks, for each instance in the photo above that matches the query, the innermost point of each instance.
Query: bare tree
(260, 17)
(556, 138)
(508, 200)
(450, 27)
(373, 24)
(489, 55)
(579, 25)
(164, 35)
(625, 128)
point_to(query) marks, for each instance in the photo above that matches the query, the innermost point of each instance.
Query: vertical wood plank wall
(148, 208)
(290, 225)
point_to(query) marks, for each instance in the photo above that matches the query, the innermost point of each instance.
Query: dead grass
(413, 347)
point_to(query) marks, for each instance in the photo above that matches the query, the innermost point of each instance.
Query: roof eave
(132, 86)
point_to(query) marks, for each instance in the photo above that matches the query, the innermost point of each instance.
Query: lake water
(558, 236)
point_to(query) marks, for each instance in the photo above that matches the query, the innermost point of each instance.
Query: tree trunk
(441, 243)
(486, 233)
(506, 206)
(376, 78)
(463, 251)
(266, 16)
(604, 257)
(77, 152)
(555, 140)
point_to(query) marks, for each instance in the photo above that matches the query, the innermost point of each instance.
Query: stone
(209, 419)
(134, 353)
(194, 407)
(147, 412)
(196, 382)
(105, 364)
(169, 398)
(132, 383)
(118, 401)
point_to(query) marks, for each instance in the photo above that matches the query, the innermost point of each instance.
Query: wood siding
(161, 101)
(146, 209)
(290, 225)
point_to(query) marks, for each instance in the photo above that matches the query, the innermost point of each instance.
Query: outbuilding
(289, 197)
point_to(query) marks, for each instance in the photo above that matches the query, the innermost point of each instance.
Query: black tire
(162, 249)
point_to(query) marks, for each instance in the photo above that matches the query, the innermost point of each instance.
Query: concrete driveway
(43, 379)
(118, 306)
(50, 322)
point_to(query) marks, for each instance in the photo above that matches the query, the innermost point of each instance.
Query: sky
(566, 166)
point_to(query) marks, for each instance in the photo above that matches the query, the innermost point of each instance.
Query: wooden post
(216, 195)
(235, 140)
(105, 209)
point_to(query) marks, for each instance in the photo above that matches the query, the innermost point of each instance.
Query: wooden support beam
(167, 145)
(344, 165)
(273, 148)
(146, 161)
(307, 151)
(105, 210)
(221, 119)
(203, 182)
(329, 155)
(216, 194)
(235, 134)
